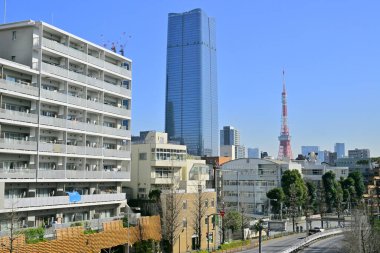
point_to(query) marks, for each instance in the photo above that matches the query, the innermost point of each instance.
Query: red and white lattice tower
(285, 150)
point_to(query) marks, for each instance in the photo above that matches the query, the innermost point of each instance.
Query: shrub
(34, 235)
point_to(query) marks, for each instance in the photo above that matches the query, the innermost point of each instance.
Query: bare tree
(199, 213)
(171, 217)
(362, 237)
(14, 232)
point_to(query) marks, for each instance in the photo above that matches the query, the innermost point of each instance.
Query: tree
(311, 196)
(199, 214)
(171, 222)
(276, 196)
(289, 178)
(259, 228)
(331, 190)
(293, 204)
(359, 184)
(232, 220)
(321, 200)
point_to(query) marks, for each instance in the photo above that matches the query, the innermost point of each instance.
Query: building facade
(359, 153)
(246, 182)
(229, 136)
(340, 150)
(158, 164)
(64, 125)
(253, 153)
(191, 83)
(306, 150)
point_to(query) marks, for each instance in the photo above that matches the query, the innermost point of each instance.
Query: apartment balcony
(117, 69)
(64, 174)
(52, 147)
(116, 131)
(158, 180)
(95, 82)
(54, 95)
(52, 121)
(116, 153)
(18, 116)
(18, 144)
(77, 150)
(54, 45)
(20, 87)
(61, 200)
(50, 68)
(94, 151)
(117, 110)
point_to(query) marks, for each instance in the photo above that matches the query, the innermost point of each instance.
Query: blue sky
(330, 51)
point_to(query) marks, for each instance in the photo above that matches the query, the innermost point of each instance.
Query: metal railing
(60, 200)
(6, 143)
(19, 116)
(18, 87)
(312, 238)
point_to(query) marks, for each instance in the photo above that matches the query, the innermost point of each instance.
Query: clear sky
(330, 51)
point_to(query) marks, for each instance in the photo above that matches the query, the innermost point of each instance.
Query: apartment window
(212, 203)
(13, 58)
(142, 156)
(184, 204)
(184, 223)
(141, 190)
(14, 35)
(206, 203)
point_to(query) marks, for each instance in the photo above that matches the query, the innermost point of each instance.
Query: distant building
(340, 150)
(246, 182)
(228, 151)
(306, 150)
(314, 172)
(229, 136)
(191, 82)
(359, 153)
(253, 153)
(364, 165)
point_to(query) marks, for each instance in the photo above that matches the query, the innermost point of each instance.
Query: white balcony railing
(60, 71)
(60, 200)
(52, 147)
(116, 153)
(18, 144)
(64, 174)
(54, 95)
(18, 87)
(19, 116)
(52, 121)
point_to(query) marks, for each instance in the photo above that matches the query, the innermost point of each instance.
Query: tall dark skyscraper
(191, 82)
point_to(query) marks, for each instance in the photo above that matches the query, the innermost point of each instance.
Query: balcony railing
(116, 153)
(52, 147)
(18, 144)
(60, 200)
(50, 68)
(18, 116)
(83, 56)
(64, 174)
(18, 87)
(54, 95)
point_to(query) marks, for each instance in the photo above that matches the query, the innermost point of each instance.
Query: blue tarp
(74, 196)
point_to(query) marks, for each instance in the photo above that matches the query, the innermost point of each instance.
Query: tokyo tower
(285, 150)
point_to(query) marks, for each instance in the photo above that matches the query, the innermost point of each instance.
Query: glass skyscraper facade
(191, 82)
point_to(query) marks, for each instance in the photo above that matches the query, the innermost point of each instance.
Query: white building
(246, 182)
(359, 153)
(160, 165)
(64, 126)
(314, 172)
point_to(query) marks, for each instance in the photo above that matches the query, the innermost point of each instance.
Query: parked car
(315, 230)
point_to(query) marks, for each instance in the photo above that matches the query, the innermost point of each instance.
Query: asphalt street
(330, 245)
(278, 244)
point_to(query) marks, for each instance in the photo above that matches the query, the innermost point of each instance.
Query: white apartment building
(160, 165)
(246, 182)
(64, 126)
(312, 171)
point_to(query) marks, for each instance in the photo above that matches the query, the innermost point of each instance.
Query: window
(142, 156)
(14, 35)
(184, 223)
(212, 203)
(184, 204)
(13, 58)
(206, 203)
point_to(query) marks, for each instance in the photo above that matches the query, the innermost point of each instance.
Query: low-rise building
(246, 182)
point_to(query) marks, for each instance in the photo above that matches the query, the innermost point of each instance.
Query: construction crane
(116, 45)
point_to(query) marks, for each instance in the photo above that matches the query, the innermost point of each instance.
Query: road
(278, 244)
(330, 245)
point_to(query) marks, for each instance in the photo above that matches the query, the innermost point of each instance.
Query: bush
(76, 224)
(34, 235)
(89, 231)
(234, 244)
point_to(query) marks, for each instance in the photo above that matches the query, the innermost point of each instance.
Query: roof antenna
(52, 18)
(5, 11)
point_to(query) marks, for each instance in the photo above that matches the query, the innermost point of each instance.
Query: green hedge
(34, 235)
(234, 244)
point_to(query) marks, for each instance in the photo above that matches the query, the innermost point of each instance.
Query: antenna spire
(5, 11)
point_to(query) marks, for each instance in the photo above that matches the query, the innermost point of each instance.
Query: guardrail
(312, 238)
